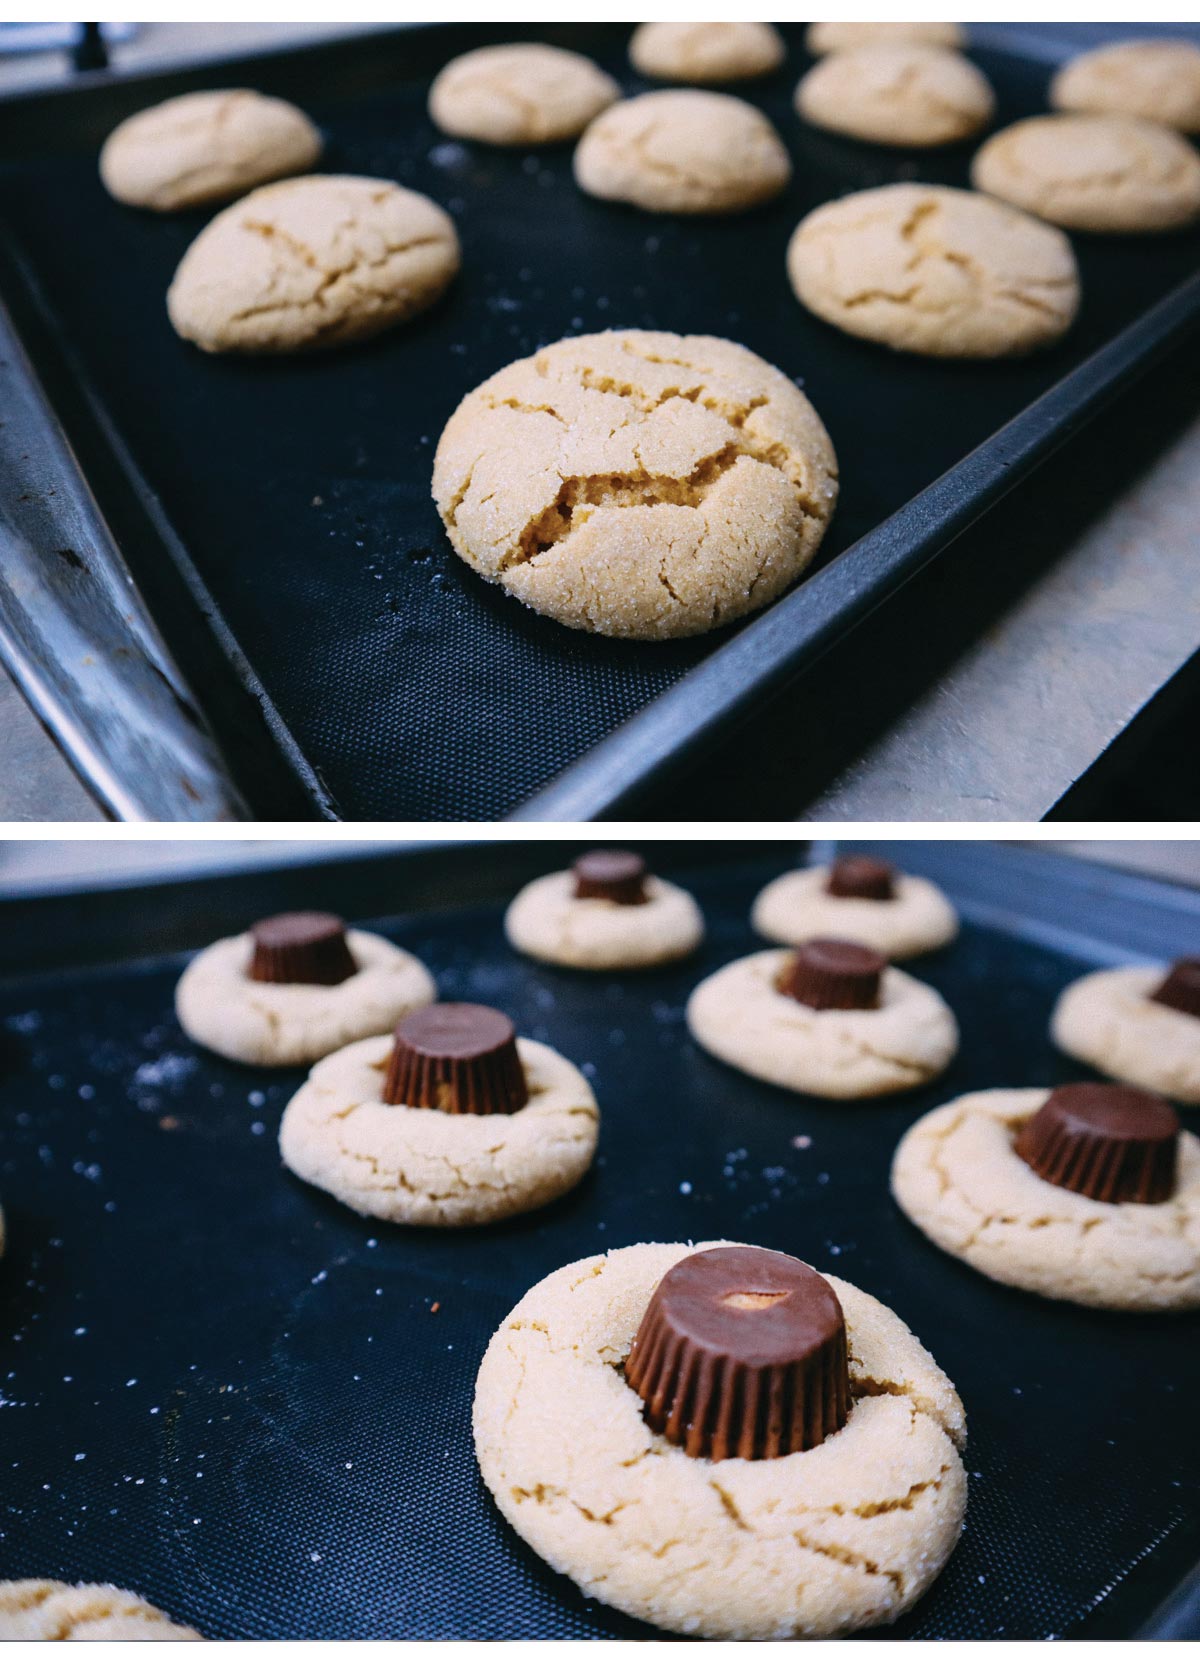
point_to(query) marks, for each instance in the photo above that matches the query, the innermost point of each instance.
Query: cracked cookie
(206, 147)
(295, 987)
(607, 914)
(706, 53)
(523, 94)
(821, 1541)
(1093, 173)
(959, 1176)
(831, 1019)
(1158, 80)
(314, 262)
(683, 152)
(844, 37)
(1140, 1024)
(637, 483)
(897, 94)
(45, 1610)
(926, 269)
(452, 1121)
(857, 897)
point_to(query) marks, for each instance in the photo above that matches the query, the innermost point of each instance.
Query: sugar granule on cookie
(607, 913)
(860, 898)
(1140, 1024)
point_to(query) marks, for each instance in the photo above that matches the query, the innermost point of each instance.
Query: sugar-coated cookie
(275, 1023)
(1093, 173)
(927, 269)
(523, 94)
(958, 1177)
(914, 918)
(897, 94)
(1158, 80)
(819, 1542)
(426, 1166)
(1108, 1020)
(637, 483)
(706, 53)
(206, 147)
(741, 1015)
(683, 152)
(844, 37)
(313, 262)
(556, 919)
(45, 1610)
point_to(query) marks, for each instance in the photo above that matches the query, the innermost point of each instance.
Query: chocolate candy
(611, 876)
(301, 948)
(742, 1353)
(829, 975)
(863, 877)
(458, 1058)
(1113, 1144)
(1180, 988)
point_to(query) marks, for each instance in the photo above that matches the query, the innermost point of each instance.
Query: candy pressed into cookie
(1088, 1193)
(295, 987)
(833, 1509)
(451, 1121)
(1158, 80)
(1093, 173)
(607, 914)
(314, 262)
(683, 152)
(1140, 1024)
(831, 1019)
(897, 94)
(927, 269)
(706, 53)
(637, 483)
(844, 37)
(206, 147)
(45, 1610)
(859, 898)
(523, 94)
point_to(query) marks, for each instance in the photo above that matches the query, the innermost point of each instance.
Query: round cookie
(844, 37)
(706, 53)
(206, 147)
(739, 1015)
(927, 269)
(897, 94)
(547, 920)
(1093, 173)
(1158, 80)
(637, 483)
(273, 1024)
(683, 152)
(958, 1178)
(816, 1543)
(45, 1610)
(315, 262)
(1108, 1020)
(523, 94)
(797, 907)
(429, 1167)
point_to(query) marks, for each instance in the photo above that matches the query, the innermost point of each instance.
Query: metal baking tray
(276, 517)
(226, 1391)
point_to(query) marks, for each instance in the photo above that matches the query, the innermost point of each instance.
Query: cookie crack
(849, 1558)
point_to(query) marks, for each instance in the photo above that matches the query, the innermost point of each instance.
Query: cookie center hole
(753, 1300)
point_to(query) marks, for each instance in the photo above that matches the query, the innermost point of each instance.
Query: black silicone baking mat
(296, 493)
(224, 1390)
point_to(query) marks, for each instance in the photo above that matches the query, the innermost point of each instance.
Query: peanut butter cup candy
(1180, 988)
(611, 876)
(1112, 1144)
(458, 1058)
(862, 877)
(742, 1353)
(301, 948)
(830, 975)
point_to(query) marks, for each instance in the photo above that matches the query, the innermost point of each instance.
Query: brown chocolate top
(863, 877)
(742, 1353)
(1180, 988)
(1113, 1144)
(458, 1058)
(301, 948)
(611, 876)
(830, 975)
